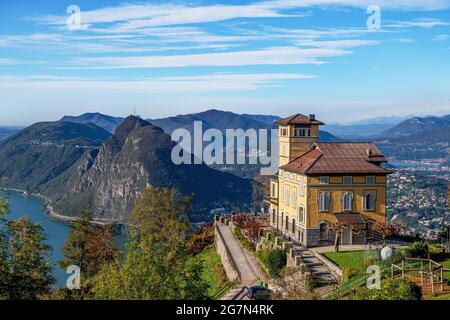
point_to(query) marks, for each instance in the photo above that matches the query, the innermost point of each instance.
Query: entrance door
(346, 236)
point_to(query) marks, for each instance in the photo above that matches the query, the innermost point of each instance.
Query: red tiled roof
(350, 150)
(339, 158)
(298, 119)
(349, 219)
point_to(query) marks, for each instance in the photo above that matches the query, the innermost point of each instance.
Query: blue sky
(272, 57)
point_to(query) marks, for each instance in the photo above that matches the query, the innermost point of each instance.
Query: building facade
(325, 189)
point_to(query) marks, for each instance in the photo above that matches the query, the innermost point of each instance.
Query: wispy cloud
(268, 56)
(133, 16)
(426, 23)
(203, 83)
(441, 37)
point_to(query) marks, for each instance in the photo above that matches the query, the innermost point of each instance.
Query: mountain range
(136, 156)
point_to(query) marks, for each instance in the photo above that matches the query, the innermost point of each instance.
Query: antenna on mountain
(134, 111)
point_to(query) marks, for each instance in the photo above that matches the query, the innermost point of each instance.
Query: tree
(253, 229)
(26, 267)
(89, 247)
(157, 265)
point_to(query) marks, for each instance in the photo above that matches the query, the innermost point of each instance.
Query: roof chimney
(312, 117)
(369, 152)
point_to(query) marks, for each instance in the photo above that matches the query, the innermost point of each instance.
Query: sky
(338, 59)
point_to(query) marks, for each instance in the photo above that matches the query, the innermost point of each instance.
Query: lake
(21, 205)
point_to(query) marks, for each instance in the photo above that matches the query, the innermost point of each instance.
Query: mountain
(447, 117)
(37, 154)
(216, 119)
(425, 145)
(358, 131)
(267, 119)
(223, 120)
(136, 156)
(416, 125)
(6, 132)
(106, 122)
(389, 120)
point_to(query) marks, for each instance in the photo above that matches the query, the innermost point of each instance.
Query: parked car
(259, 293)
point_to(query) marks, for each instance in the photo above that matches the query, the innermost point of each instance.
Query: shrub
(399, 289)
(201, 239)
(418, 249)
(276, 260)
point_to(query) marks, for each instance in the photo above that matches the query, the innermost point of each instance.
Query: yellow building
(322, 187)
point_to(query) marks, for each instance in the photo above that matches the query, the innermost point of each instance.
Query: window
(284, 132)
(286, 195)
(347, 201)
(324, 180)
(282, 219)
(302, 132)
(369, 200)
(347, 180)
(282, 194)
(324, 201)
(287, 223)
(294, 198)
(302, 187)
(323, 231)
(370, 180)
(274, 215)
(293, 226)
(273, 190)
(301, 215)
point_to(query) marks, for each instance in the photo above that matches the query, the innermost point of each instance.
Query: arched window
(293, 226)
(369, 200)
(324, 201)
(347, 201)
(301, 214)
(274, 213)
(287, 223)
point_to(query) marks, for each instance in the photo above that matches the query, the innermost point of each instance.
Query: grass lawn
(349, 260)
(213, 272)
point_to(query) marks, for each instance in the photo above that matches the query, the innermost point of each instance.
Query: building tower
(296, 135)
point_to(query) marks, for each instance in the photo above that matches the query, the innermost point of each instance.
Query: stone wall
(225, 257)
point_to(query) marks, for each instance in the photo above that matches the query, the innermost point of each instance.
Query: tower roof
(339, 158)
(299, 119)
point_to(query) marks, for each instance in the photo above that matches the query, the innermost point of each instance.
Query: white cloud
(336, 43)
(268, 56)
(188, 84)
(425, 23)
(441, 37)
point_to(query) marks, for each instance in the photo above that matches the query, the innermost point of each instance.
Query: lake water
(57, 232)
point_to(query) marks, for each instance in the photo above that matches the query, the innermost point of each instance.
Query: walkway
(353, 247)
(248, 268)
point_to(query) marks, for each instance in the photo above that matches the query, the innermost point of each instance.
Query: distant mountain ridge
(417, 125)
(106, 122)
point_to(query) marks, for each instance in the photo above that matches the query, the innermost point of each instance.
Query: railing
(219, 294)
(350, 286)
